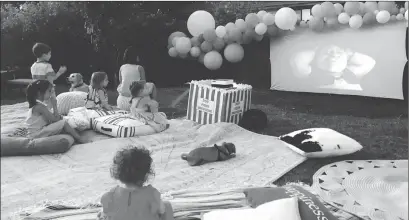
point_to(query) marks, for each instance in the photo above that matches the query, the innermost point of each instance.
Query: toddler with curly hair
(132, 199)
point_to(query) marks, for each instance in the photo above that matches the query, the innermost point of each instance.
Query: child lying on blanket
(132, 200)
(40, 121)
(146, 109)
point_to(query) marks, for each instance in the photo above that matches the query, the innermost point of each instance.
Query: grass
(380, 125)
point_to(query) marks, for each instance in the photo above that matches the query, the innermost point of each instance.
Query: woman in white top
(129, 72)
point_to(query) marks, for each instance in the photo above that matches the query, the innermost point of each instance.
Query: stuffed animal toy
(77, 83)
(254, 120)
(202, 155)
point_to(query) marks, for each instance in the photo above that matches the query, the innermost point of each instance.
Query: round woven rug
(370, 189)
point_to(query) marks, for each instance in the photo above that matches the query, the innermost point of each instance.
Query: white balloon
(261, 14)
(220, 31)
(399, 17)
(199, 21)
(183, 45)
(285, 18)
(241, 25)
(383, 17)
(195, 52)
(343, 18)
(268, 19)
(261, 28)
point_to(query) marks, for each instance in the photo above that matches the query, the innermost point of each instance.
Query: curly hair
(136, 88)
(132, 165)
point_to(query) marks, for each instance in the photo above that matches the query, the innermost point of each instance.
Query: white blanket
(82, 174)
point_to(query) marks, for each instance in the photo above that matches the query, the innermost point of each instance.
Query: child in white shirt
(43, 70)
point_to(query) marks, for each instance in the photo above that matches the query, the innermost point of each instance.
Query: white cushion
(283, 209)
(69, 100)
(80, 118)
(320, 142)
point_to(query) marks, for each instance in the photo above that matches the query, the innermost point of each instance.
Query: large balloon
(241, 25)
(199, 21)
(371, 7)
(220, 31)
(173, 52)
(213, 60)
(352, 8)
(195, 51)
(383, 17)
(175, 34)
(343, 18)
(206, 46)
(209, 35)
(268, 19)
(316, 24)
(369, 18)
(386, 6)
(252, 20)
(218, 44)
(234, 53)
(355, 22)
(338, 8)
(328, 9)
(285, 18)
(261, 28)
(316, 11)
(183, 45)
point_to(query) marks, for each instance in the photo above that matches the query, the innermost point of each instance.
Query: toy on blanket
(77, 83)
(204, 155)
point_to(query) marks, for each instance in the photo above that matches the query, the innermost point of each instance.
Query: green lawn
(380, 125)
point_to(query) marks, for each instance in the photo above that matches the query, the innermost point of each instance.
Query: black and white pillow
(320, 142)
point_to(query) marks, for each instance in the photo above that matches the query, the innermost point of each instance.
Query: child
(40, 121)
(42, 69)
(97, 95)
(129, 72)
(131, 199)
(146, 109)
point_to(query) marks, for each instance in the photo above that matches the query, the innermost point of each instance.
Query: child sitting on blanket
(40, 121)
(146, 109)
(97, 95)
(132, 199)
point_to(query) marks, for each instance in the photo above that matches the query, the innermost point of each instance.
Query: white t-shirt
(41, 68)
(129, 74)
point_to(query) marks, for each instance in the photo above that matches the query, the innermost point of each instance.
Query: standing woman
(129, 72)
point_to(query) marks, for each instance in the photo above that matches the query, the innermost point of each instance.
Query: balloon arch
(208, 41)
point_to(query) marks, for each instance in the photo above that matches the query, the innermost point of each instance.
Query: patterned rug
(371, 189)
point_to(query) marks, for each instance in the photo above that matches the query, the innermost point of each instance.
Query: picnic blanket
(81, 175)
(371, 189)
(187, 204)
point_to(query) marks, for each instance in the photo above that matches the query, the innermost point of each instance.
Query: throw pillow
(279, 209)
(310, 208)
(320, 142)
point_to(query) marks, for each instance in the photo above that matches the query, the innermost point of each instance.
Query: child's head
(99, 80)
(39, 89)
(42, 51)
(136, 88)
(132, 165)
(131, 56)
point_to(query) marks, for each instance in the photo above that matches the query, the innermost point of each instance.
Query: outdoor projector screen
(365, 62)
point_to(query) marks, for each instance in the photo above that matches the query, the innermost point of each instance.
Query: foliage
(225, 12)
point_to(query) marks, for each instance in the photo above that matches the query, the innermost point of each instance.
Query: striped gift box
(209, 105)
